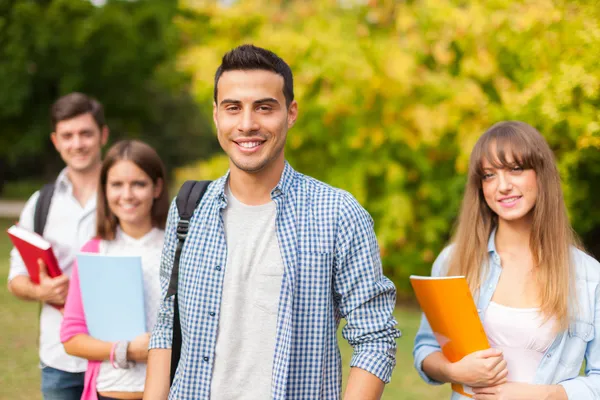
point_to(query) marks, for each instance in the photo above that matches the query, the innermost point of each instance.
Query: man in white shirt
(79, 132)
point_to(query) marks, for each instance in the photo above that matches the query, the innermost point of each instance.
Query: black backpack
(41, 208)
(188, 198)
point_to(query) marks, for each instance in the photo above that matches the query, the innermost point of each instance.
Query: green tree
(393, 95)
(122, 53)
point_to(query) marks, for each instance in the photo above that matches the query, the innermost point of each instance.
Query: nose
(247, 122)
(127, 192)
(77, 141)
(504, 182)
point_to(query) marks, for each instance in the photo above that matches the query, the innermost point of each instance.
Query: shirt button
(218, 268)
(548, 355)
(212, 314)
(205, 359)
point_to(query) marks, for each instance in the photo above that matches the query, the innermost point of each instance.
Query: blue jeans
(61, 385)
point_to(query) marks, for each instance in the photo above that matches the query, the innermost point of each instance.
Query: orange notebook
(32, 246)
(452, 315)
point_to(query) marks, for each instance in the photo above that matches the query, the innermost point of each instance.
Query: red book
(32, 247)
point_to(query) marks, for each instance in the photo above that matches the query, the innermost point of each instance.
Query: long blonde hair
(551, 234)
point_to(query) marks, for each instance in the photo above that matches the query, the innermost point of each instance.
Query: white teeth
(249, 145)
(510, 199)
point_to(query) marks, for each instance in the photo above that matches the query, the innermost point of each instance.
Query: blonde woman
(537, 293)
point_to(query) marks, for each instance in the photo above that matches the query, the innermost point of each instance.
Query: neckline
(238, 204)
(515, 309)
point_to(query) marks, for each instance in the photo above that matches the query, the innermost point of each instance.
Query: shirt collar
(282, 187)
(492, 242)
(63, 182)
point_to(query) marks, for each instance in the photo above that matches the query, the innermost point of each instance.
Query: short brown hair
(75, 104)
(146, 158)
(248, 57)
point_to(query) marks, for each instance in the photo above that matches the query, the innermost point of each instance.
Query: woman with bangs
(133, 204)
(537, 293)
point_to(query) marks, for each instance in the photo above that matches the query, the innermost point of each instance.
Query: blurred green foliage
(122, 53)
(393, 95)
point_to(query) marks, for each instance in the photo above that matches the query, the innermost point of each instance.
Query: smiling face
(252, 119)
(79, 141)
(130, 194)
(510, 192)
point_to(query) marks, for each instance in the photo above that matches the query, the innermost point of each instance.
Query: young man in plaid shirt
(272, 261)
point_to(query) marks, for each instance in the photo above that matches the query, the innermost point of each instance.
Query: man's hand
(520, 391)
(51, 290)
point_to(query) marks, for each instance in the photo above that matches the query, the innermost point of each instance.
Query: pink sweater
(74, 323)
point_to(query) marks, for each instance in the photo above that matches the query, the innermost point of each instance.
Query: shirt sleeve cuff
(159, 341)
(419, 357)
(380, 365)
(577, 389)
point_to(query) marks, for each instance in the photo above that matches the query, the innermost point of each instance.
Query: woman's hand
(138, 348)
(482, 368)
(520, 391)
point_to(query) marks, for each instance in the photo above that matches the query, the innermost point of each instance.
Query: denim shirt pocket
(579, 334)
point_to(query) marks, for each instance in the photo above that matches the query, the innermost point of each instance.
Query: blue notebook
(112, 292)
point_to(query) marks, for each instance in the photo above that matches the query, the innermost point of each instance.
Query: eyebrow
(259, 101)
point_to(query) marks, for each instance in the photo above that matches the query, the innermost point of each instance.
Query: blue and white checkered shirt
(332, 270)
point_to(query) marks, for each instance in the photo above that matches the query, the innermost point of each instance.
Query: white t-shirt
(68, 227)
(149, 247)
(247, 330)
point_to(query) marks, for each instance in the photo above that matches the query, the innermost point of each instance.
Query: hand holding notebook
(452, 315)
(51, 290)
(41, 264)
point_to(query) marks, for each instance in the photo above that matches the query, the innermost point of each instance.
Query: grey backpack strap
(42, 207)
(188, 198)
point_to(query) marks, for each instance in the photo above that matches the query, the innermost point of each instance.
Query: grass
(20, 378)
(19, 373)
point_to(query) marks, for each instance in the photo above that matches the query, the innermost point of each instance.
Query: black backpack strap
(187, 200)
(42, 206)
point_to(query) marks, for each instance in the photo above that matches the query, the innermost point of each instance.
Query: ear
(158, 187)
(292, 113)
(104, 135)
(54, 139)
(215, 111)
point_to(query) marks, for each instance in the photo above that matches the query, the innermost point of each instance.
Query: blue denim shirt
(562, 361)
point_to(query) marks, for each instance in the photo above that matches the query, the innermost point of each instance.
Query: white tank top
(523, 337)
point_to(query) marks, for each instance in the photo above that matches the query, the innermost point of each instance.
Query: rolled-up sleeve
(365, 297)
(162, 332)
(425, 341)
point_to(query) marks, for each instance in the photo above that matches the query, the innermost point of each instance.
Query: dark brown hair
(146, 158)
(75, 104)
(249, 57)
